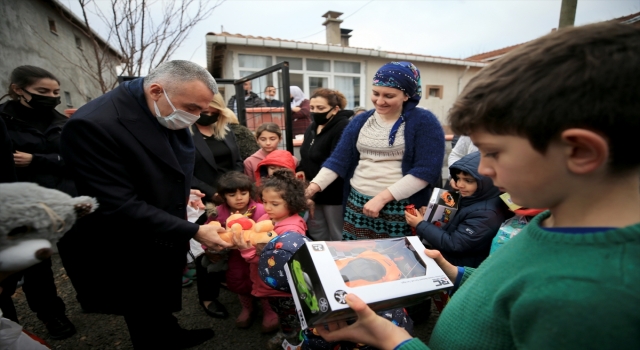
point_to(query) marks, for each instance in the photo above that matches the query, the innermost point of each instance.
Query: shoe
(276, 342)
(60, 327)
(188, 338)
(270, 321)
(245, 319)
(215, 309)
(189, 273)
(186, 282)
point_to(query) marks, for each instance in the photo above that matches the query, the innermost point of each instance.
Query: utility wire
(322, 30)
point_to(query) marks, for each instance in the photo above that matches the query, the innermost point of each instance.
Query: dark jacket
(47, 168)
(423, 152)
(253, 101)
(245, 139)
(206, 173)
(316, 148)
(8, 173)
(122, 156)
(466, 239)
(273, 103)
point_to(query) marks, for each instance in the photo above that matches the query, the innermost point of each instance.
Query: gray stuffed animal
(33, 219)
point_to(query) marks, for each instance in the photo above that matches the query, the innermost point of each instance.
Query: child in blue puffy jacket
(466, 239)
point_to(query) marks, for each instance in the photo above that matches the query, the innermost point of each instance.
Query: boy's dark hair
(455, 172)
(25, 76)
(232, 181)
(584, 77)
(270, 127)
(334, 97)
(291, 189)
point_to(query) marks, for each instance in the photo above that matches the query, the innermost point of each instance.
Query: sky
(447, 28)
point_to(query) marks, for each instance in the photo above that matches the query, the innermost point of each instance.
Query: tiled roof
(632, 19)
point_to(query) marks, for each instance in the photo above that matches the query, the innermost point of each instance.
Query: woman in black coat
(217, 152)
(34, 128)
(320, 139)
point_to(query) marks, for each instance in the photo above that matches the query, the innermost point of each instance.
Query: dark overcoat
(128, 255)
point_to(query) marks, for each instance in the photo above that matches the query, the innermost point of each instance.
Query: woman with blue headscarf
(388, 156)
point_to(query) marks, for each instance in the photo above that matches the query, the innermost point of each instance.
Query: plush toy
(260, 232)
(33, 219)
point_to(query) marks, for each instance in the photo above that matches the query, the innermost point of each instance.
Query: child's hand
(422, 210)
(452, 183)
(369, 329)
(413, 220)
(239, 241)
(449, 269)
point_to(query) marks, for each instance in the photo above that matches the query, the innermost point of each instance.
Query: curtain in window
(350, 88)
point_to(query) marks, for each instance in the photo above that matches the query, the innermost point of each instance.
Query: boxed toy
(385, 273)
(442, 206)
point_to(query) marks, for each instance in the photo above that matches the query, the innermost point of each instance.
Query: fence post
(240, 109)
(286, 95)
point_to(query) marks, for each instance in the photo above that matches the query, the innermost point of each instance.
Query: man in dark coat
(251, 99)
(130, 150)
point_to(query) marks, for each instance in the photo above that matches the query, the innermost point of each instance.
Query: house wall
(451, 78)
(25, 39)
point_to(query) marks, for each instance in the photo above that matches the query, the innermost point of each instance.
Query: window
(350, 88)
(67, 98)
(318, 65)
(253, 61)
(52, 26)
(78, 42)
(434, 91)
(250, 64)
(347, 67)
(294, 62)
(316, 83)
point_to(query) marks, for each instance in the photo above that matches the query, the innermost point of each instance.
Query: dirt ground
(102, 332)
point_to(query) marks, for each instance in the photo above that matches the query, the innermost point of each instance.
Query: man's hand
(208, 235)
(22, 159)
(413, 220)
(450, 270)
(195, 199)
(369, 329)
(311, 190)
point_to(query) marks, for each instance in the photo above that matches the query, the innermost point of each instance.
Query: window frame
(428, 88)
(53, 28)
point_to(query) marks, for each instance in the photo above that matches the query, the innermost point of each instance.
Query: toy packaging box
(442, 206)
(385, 273)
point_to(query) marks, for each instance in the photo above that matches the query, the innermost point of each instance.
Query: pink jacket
(251, 163)
(261, 289)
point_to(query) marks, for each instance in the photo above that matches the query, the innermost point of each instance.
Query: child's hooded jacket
(466, 239)
(278, 157)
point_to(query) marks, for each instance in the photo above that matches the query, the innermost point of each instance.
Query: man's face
(270, 92)
(192, 97)
(247, 86)
(533, 179)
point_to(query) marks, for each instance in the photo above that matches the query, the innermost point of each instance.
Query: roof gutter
(213, 39)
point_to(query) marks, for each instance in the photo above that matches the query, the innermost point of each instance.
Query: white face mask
(177, 120)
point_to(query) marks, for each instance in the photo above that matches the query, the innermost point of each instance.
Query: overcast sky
(449, 28)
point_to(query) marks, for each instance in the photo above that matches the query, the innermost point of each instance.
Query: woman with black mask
(217, 152)
(320, 138)
(34, 127)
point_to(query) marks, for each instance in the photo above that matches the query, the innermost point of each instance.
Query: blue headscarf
(405, 77)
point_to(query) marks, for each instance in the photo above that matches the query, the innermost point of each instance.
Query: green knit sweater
(548, 290)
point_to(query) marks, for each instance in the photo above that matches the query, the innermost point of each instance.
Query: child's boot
(245, 318)
(269, 317)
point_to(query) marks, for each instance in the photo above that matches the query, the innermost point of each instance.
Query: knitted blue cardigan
(423, 155)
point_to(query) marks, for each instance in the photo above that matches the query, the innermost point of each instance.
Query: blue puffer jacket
(466, 239)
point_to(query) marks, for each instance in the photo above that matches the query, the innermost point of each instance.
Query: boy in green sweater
(556, 121)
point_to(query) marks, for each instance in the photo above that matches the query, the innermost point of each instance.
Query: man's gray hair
(179, 71)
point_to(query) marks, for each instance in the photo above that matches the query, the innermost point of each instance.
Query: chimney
(333, 27)
(344, 36)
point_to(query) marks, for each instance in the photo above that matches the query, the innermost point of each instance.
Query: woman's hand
(22, 159)
(449, 269)
(195, 199)
(413, 220)
(295, 109)
(369, 329)
(374, 205)
(311, 190)
(312, 207)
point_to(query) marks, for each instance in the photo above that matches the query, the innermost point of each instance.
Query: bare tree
(144, 39)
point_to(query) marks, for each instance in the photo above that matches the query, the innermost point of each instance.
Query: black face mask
(207, 120)
(320, 118)
(42, 102)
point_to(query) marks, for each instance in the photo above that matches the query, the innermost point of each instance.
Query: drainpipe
(460, 78)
